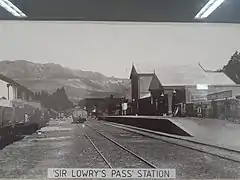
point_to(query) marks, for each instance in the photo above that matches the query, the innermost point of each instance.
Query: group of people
(110, 111)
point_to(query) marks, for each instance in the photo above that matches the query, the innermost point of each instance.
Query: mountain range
(77, 83)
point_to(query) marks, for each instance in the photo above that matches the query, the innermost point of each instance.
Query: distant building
(12, 90)
(102, 104)
(157, 92)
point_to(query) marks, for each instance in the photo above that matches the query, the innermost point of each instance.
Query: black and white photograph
(138, 89)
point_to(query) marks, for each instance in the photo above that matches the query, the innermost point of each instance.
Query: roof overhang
(146, 95)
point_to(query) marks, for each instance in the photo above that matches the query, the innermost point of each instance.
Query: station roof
(184, 75)
(192, 75)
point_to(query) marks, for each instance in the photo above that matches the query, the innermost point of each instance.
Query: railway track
(146, 162)
(99, 152)
(220, 152)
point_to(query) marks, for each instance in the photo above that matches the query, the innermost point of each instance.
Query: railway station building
(157, 92)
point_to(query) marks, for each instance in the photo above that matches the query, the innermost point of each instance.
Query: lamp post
(162, 98)
(173, 100)
(134, 106)
(8, 85)
(157, 109)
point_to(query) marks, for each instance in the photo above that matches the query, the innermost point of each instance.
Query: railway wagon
(21, 121)
(79, 115)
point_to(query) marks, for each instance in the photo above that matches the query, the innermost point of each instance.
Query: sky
(111, 47)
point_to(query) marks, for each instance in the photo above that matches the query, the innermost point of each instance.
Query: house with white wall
(12, 90)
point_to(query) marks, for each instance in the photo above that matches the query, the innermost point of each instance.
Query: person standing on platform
(94, 112)
(121, 107)
(26, 117)
(124, 107)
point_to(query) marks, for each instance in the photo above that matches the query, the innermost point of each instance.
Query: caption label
(111, 173)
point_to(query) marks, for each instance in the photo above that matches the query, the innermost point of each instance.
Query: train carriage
(79, 115)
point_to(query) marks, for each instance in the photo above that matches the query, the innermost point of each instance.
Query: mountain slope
(78, 84)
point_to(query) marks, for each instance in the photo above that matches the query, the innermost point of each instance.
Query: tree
(232, 69)
(58, 100)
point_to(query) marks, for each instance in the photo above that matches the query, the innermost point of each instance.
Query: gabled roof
(145, 79)
(191, 75)
(144, 68)
(11, 81)
(155, 84)
(133, 72)
(219, 77)
(181, 75)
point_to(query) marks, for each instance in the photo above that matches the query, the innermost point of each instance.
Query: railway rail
(118, 145)
(227, 154)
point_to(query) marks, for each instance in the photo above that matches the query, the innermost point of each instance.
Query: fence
(221, 109)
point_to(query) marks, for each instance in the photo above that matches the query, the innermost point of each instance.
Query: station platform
(155, 123)
(214, 132)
